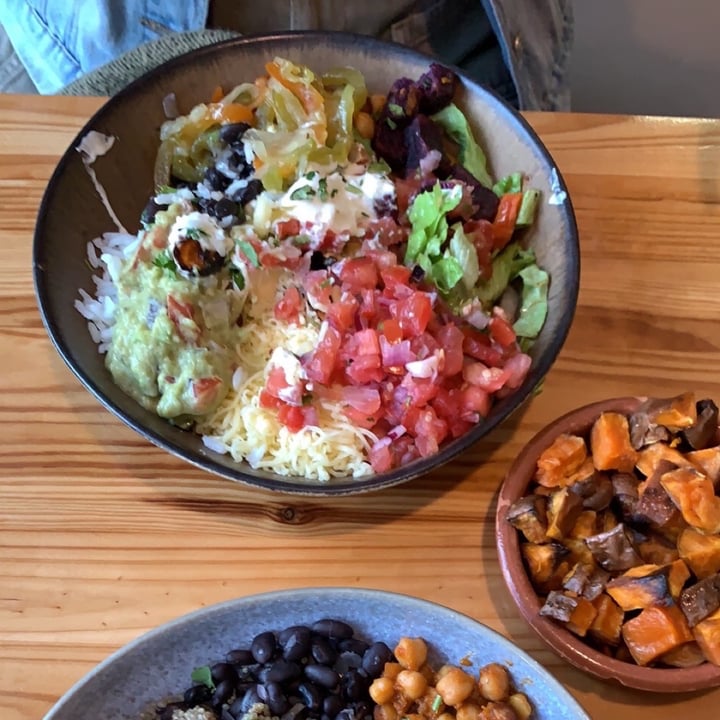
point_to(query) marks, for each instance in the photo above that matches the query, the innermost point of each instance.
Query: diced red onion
(170, 107)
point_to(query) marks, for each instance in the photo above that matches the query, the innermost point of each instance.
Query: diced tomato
(413, 313)
(490, 379)
(287, 228)
(205, 391)
(428, 429)
(396, 281)
(366, 342)
(341, 314)
(450, 339)
(269, 401)
(505, 219)
(391, 330)
(501, 331)
(365, 369)
(277, 385)
(359, 273)
(319, 365)
(475, 400)
(386, 231)
(517, 369)
(319, 288)
(292, 417)
(364, 399)
(448, 405)
(480, 233)
(479, 346)
(382, 258)
(424, 345)
(381, 456)
(368, 305)
(289, 306)
(405, 189)
(181, 316)
(420, 390)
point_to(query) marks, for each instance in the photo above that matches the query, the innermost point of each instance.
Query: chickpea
(469, 711)
(365, 125)
(498, 711)
(442, 671)
(411, 683)
(521, 705)
(391, 670)
(382, 690)
(494, 682)
(445, 716)
(411, 653)
(377, 103)
(455, 686)
(386, 711)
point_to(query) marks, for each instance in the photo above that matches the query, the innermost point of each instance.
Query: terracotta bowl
(568, 646)
(72, 213)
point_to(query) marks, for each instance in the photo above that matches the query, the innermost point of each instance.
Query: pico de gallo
(370, 222)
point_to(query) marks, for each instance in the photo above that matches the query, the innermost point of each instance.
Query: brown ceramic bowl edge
(565, 644)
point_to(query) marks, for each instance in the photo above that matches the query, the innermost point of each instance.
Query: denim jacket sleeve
(58, 41)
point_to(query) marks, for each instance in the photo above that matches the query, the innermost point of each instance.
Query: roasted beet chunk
(437, 88)
(424, 143)
(403, 101)
(389, 143)
(485, 202)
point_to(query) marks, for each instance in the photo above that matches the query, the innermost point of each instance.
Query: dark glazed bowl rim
(564, 643)
(345, 486)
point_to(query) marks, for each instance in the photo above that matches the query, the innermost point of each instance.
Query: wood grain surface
(103, 536)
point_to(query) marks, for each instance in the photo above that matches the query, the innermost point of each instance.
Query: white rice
(106, 256)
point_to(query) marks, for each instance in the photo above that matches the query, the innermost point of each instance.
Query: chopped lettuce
(528, 208)
(534, 305)
(505, 266)
(446, 272)
(429, 224)
(465, 254)
(472, 157)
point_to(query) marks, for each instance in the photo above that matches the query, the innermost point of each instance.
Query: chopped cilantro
(395, 109)
(165, 261)
(379, 167)
(354, 189)
(301, 240)
(391, 123)
(334, 192)
(195, 233)
(203, 676)
(302, 193)
(310, 175)
(165, 189)
(322, 189)
(249, 252)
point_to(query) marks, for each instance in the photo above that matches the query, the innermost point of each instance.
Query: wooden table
(103, 536)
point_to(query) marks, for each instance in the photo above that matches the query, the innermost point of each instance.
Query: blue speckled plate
(159, 663)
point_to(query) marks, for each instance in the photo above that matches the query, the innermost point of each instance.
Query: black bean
(167, 712)
(215, 180)
(346, 714)
(223, 208)
(263, 646)
(223, 692)
(298, 711)
(375, 657)
(348, 661)
(310, 695)
(250, 698)
(332, 705)
(149, 212)
(323, 651)
(355, 684)
(249, 192)
(322, 675)
(197, 694)
(281, 671)
(240, 657)
(232, 132)
(272, 695)
(295, 642)
(417, 273)
(353, 645)
(223, 671)
(236, 708)
(334, 629)
(362, 709)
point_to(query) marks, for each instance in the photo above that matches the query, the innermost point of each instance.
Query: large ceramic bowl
(158, 664)
(566, 644)
(72, 214)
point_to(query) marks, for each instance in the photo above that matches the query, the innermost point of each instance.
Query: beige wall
(657, 57)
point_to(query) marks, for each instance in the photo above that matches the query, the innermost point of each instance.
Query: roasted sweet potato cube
(687, 655)
(579, 551)
(577, 613)
(529, 516)
(585, 525)
(607, 625)
(707, 461)
(707, 635)
(586, 579)
(613, 550)
(650, 457)
(563, 509)
(654, 632)
(676, 413)
(655, 508)
(596, 490)
(557, 463)
(703, 434)
(700, 552)
(607, 521)
(610, 443)
(657, 549)
(640, 587)
(701, 599)
(693, 493)
(626, 495)
(547, 564)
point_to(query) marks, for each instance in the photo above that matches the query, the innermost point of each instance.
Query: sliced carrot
(217, 94)
(231, 113)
